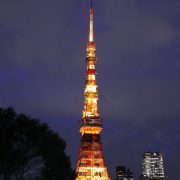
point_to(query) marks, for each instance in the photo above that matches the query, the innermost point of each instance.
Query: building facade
(90, 164)
(123, 173)
(153, 167)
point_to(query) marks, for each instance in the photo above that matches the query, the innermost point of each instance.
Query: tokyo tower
(90, 164)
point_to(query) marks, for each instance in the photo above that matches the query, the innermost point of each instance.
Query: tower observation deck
(90, 164)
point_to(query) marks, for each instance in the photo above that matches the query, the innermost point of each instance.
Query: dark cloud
(42, 72)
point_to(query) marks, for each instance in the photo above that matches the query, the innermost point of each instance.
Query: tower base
(91, 165)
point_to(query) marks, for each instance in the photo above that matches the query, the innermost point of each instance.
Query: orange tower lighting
(90, 164)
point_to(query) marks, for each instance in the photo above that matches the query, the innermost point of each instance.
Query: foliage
(30, 150)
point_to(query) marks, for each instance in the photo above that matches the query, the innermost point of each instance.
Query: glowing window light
(91, 77)
(91, 66)
(91, 88)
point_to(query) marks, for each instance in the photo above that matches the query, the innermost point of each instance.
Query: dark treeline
(29, 149)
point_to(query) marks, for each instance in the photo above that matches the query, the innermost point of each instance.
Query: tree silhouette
(30, 149)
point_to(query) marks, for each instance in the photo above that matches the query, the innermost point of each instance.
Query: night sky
(42, 73)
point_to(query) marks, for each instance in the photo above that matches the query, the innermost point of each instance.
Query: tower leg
(90, 165)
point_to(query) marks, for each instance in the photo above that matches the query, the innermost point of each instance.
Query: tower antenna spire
(91, 38)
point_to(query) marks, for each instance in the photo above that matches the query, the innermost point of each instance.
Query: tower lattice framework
(91, 165)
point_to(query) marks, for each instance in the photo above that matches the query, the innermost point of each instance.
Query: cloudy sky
(42, 73)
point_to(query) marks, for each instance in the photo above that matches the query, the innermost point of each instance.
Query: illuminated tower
(91, 165)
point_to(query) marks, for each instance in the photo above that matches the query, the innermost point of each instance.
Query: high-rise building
(123, 173)
(153, 167)
(90, 164)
